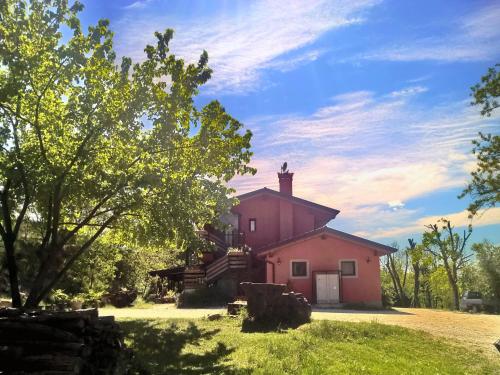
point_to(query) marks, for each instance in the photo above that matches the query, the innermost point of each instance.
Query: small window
(299, 269)
(252, 224)
(348, 268)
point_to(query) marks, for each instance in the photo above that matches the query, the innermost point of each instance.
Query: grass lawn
(180, 346)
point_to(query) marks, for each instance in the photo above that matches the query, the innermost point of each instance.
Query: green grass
(322, 347)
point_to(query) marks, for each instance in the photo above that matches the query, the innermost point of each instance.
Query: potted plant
(61, 300)
(207, 252)
(76, 303)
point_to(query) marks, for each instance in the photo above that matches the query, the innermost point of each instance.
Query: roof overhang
(326, 231)
(303, 202)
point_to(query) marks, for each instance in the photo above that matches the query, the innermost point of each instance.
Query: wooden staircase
(230, 261)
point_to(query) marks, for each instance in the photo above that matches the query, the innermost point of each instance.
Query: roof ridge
(303, 201)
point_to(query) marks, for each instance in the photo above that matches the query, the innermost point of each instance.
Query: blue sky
(367, 100)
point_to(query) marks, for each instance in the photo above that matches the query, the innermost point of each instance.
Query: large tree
(449, 248)
(485, 185)
(488, 258)
(87, 147)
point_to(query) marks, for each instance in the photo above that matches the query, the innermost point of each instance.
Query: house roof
(332, 211)
(325, 230)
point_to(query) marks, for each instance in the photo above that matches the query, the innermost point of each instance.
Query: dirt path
(476, 330)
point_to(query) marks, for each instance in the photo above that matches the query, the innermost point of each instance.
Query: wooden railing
(229, 261)
(224, 240)
(193, 278)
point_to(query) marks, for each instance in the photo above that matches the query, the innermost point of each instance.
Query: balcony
(224, 240)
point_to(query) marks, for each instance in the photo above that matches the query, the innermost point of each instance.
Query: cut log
(39, 347)
(36, 331)
(47, 362)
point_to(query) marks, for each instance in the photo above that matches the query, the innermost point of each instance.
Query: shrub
(60, 299)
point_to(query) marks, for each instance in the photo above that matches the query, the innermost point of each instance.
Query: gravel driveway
(476, 330)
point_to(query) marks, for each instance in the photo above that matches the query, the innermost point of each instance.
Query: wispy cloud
(137, 4)
(471, 38)
(242, 45)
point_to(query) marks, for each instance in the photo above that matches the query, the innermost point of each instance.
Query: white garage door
(327, 288)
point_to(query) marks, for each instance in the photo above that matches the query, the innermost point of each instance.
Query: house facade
(290, 235)
(286, 240)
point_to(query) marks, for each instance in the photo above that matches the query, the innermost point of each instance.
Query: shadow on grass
(159, 349)
(251, 326)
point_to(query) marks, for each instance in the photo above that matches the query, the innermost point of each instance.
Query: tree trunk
(12, 267)
(403, 298)
(45, 271)
(428, 294)
(456, 295)
(416, 285)
(452, 279)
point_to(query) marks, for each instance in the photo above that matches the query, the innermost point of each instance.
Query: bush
(60, 299)
(203, 297)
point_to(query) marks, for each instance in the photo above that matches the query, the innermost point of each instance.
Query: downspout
(272, 264)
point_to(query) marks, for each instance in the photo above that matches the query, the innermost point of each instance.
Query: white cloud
(396, 205)
(473, 38)
(457, 219)
(241, 45)
(137, 4)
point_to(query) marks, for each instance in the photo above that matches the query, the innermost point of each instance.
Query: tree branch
(92, 213)
(73, 258)
(24, 179)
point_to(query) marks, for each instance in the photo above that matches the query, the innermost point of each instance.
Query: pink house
(290, 234)
(290, 244)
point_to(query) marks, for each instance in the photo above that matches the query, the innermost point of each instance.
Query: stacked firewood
(64, 342)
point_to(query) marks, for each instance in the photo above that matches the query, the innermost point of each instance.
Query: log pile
(269, 305)
(65, 342)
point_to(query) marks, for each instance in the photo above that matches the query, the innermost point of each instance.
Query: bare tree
(448, 247)
(396, 265)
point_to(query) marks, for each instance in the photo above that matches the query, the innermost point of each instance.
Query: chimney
(285, 179)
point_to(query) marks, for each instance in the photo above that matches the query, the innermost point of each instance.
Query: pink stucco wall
(266, 210)
(303, 220)
(324, 252)
(286, 220)
(277, 219)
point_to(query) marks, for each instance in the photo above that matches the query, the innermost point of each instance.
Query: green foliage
(132, 270)
(488, 257)
(487, 92)
(94, 271)
(88, 147)
(60, 298)
(485, 185)
(321, 347)
(440, 270)
(442, 294)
